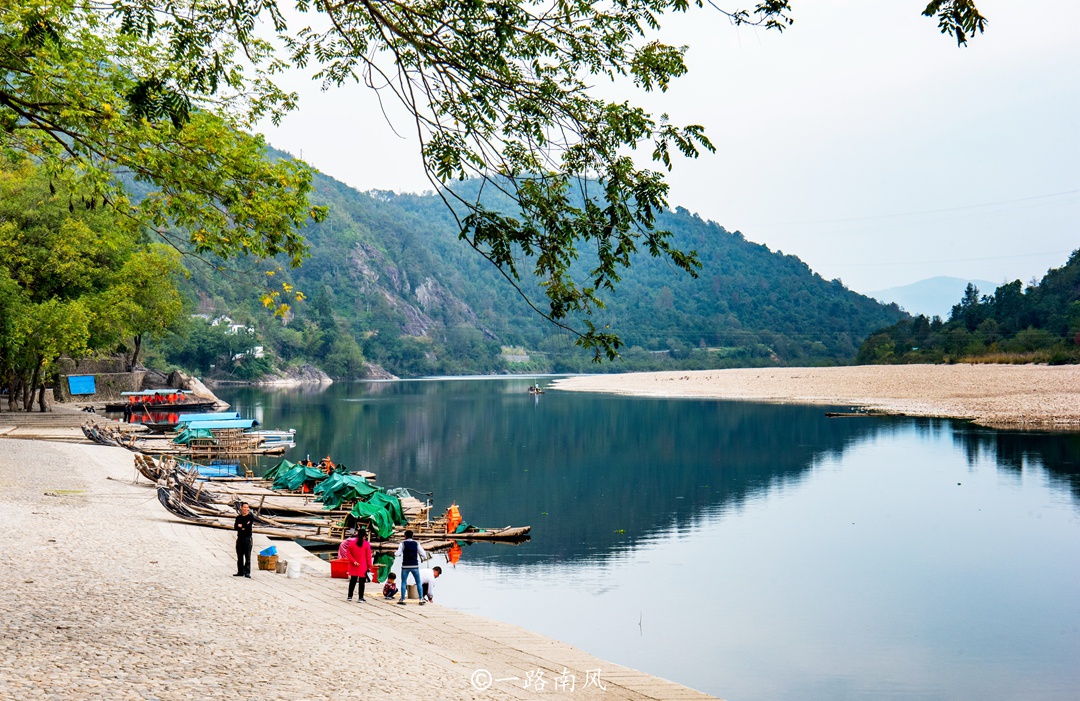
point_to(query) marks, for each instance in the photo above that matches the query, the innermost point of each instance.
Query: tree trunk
(42, 405)
(31, 387)
(135, 353)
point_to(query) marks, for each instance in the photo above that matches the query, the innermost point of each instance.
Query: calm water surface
(755, 552)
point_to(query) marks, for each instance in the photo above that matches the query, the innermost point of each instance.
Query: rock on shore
(290, 377)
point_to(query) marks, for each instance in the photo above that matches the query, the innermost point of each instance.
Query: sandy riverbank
(1003, 396)
(107, 597)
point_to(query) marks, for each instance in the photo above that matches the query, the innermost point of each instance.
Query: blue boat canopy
(221, 423)
(208, 416)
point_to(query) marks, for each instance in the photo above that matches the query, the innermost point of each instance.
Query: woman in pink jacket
(358, 552)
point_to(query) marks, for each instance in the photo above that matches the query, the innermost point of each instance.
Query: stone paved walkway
(105, 596)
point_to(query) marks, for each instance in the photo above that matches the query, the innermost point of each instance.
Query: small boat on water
(162, 421)
(535, 389)
(159, 400)
(195, 439)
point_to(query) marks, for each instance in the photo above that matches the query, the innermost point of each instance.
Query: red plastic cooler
(339, 569)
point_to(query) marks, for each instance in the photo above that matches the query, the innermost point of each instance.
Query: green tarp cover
(297, 476)
(331, 483)
(341, 487)
(392, 505)
(384, 562)
(382, 512)
(188, 434)
(277, 470)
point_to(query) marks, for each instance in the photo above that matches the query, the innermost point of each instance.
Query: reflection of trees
(590, 473)
(1057, 453)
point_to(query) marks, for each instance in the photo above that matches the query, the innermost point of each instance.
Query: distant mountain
(933, 297)
(1039, 323)
(389, 278)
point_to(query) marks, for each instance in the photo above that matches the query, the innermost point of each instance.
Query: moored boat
(301, 515)
(160, 400)
(197, 439)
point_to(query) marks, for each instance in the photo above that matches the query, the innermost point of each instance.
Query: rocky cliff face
(181, 380)
(372, 371)
(302, 375)
(421, 307)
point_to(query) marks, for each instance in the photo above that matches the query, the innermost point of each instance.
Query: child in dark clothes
(389, 590)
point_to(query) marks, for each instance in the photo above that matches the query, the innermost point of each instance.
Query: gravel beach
(107, 597)
(1000, 396)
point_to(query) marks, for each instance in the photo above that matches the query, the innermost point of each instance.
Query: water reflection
(803, 557)
(592, 474)
(1016, 451)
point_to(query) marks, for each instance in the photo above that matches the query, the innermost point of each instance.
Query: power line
(952, 260)
(925, 211)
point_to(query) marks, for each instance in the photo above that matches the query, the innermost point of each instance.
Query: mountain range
(388, 275)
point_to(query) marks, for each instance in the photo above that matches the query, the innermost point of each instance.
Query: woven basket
(268, 562)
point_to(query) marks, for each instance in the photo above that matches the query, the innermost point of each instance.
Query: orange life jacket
(453, 518)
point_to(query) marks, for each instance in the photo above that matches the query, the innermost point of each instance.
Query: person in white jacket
(427, 578)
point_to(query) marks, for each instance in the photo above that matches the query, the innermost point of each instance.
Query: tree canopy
(1040, 323)
(73, 280)
(167, 92)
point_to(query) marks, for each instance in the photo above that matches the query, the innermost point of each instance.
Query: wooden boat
(160, 400)
(155, 470)
(220, 442)
(504, 534)
(535, 389)
(168, 420)
(232, 491)
(201, 515)
(298, 514)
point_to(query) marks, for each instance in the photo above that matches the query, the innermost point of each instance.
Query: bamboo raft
(226, 442)
(294, 515)
(201, 515)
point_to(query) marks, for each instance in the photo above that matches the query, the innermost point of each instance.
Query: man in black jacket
(243, 541)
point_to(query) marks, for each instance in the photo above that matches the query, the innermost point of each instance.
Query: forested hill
(1036, 324)
(389, 280)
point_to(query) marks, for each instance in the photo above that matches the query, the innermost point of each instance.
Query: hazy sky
(860, 139)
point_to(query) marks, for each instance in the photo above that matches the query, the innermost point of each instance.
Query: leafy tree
(144, 301)
(65, 280)
(499, 90)
(93, 92)
(346, 360)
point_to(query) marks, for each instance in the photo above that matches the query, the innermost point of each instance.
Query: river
(756, 552)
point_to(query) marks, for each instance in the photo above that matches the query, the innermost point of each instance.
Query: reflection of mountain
(592, 474)
(1057, 453)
